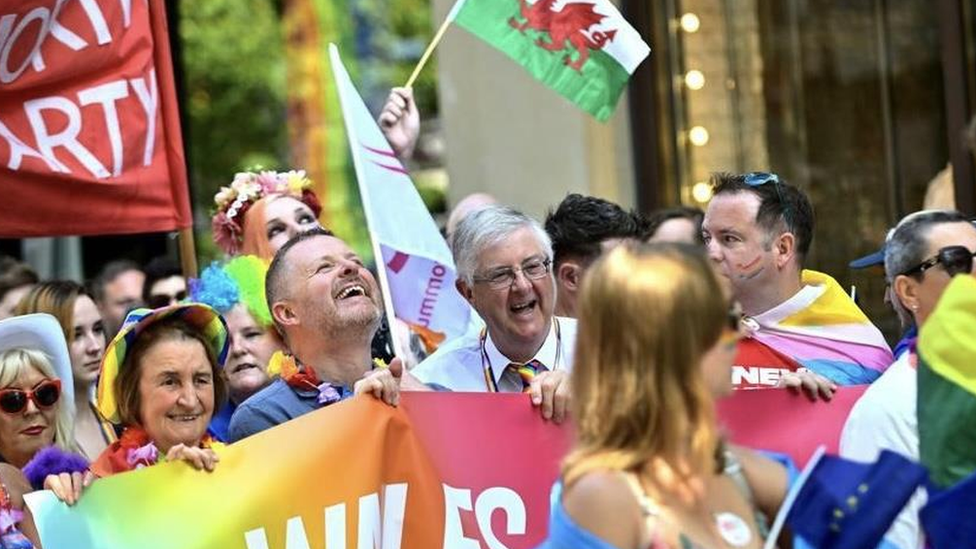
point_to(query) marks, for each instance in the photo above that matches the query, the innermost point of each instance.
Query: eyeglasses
(45, 394)
(156, 301)
(758, 179)
(502, 278)
(954, 259)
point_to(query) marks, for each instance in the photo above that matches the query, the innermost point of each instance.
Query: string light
(698, 136)
(690, 23)
(702, 192)
(694, 79)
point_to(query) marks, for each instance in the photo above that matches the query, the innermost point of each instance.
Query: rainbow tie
(527, 372)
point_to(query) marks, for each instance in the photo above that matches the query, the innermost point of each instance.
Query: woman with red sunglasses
(84, 330)
(35, 412)
(34, 402)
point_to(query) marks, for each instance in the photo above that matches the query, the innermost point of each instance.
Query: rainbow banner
(444, 470)
(825, 331)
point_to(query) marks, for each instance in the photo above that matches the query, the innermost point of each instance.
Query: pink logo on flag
(398, 261)
(395, 167)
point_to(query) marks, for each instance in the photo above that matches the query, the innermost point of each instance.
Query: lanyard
(490, 382)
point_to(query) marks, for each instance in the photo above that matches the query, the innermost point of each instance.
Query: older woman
(36, 392)
(84, 331)
(236, 290)
(655, 346)
(160, 381)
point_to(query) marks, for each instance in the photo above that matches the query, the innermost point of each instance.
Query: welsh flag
(583, 49)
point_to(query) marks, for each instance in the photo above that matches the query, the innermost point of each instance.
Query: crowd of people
(631, 325)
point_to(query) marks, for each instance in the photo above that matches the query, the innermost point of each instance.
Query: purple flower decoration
(143, 456)
(10, 518)
(328, 394)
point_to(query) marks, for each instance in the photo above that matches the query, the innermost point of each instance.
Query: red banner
(89, 128)
(782, 421)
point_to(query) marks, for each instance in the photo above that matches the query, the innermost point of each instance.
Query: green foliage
(234, 70)
(402, 30)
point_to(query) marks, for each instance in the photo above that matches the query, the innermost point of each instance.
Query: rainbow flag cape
(825, 331)
(585, 50)
(947, 385)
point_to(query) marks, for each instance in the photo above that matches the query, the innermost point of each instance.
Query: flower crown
(231, 203)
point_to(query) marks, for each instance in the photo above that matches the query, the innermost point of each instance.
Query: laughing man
(504, 266)
(327, 307)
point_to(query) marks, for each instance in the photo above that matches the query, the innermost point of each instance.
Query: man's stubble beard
(351, 324)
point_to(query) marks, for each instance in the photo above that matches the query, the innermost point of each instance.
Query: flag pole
(433, 43)
(188, 255)
(364, 196)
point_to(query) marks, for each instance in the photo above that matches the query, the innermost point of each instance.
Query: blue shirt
(274, 405)
(220, 422)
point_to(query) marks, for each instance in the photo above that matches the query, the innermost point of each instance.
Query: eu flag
(948, 517)
(850, 505)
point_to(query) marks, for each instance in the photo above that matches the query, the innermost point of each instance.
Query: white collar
(546, 354)
(802, 299)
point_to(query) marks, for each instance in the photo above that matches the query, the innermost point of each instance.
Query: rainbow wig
(240, 280)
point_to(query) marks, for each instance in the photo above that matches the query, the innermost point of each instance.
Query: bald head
(276, 286)
(467, 206)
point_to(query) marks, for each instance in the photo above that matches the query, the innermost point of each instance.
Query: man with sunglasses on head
(802, 328)
(504, 266)
(922, 255)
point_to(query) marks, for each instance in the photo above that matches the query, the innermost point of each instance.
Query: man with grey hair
(504, 266)
(922, 255)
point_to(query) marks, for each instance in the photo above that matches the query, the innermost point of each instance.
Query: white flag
(418, 271)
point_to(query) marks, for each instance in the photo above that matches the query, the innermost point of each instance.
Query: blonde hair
(13, 362)
(255, 237)
(647, 315)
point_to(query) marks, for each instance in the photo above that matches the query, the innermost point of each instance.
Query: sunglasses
(156, 301)
(954, 259)
(758, 179)
(45, 394)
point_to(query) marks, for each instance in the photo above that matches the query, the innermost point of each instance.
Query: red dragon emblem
(571, 24)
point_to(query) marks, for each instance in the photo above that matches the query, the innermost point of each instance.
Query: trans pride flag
(825, 331)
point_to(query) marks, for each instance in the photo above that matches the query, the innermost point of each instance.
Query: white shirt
(460, 366)
(885, 418)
